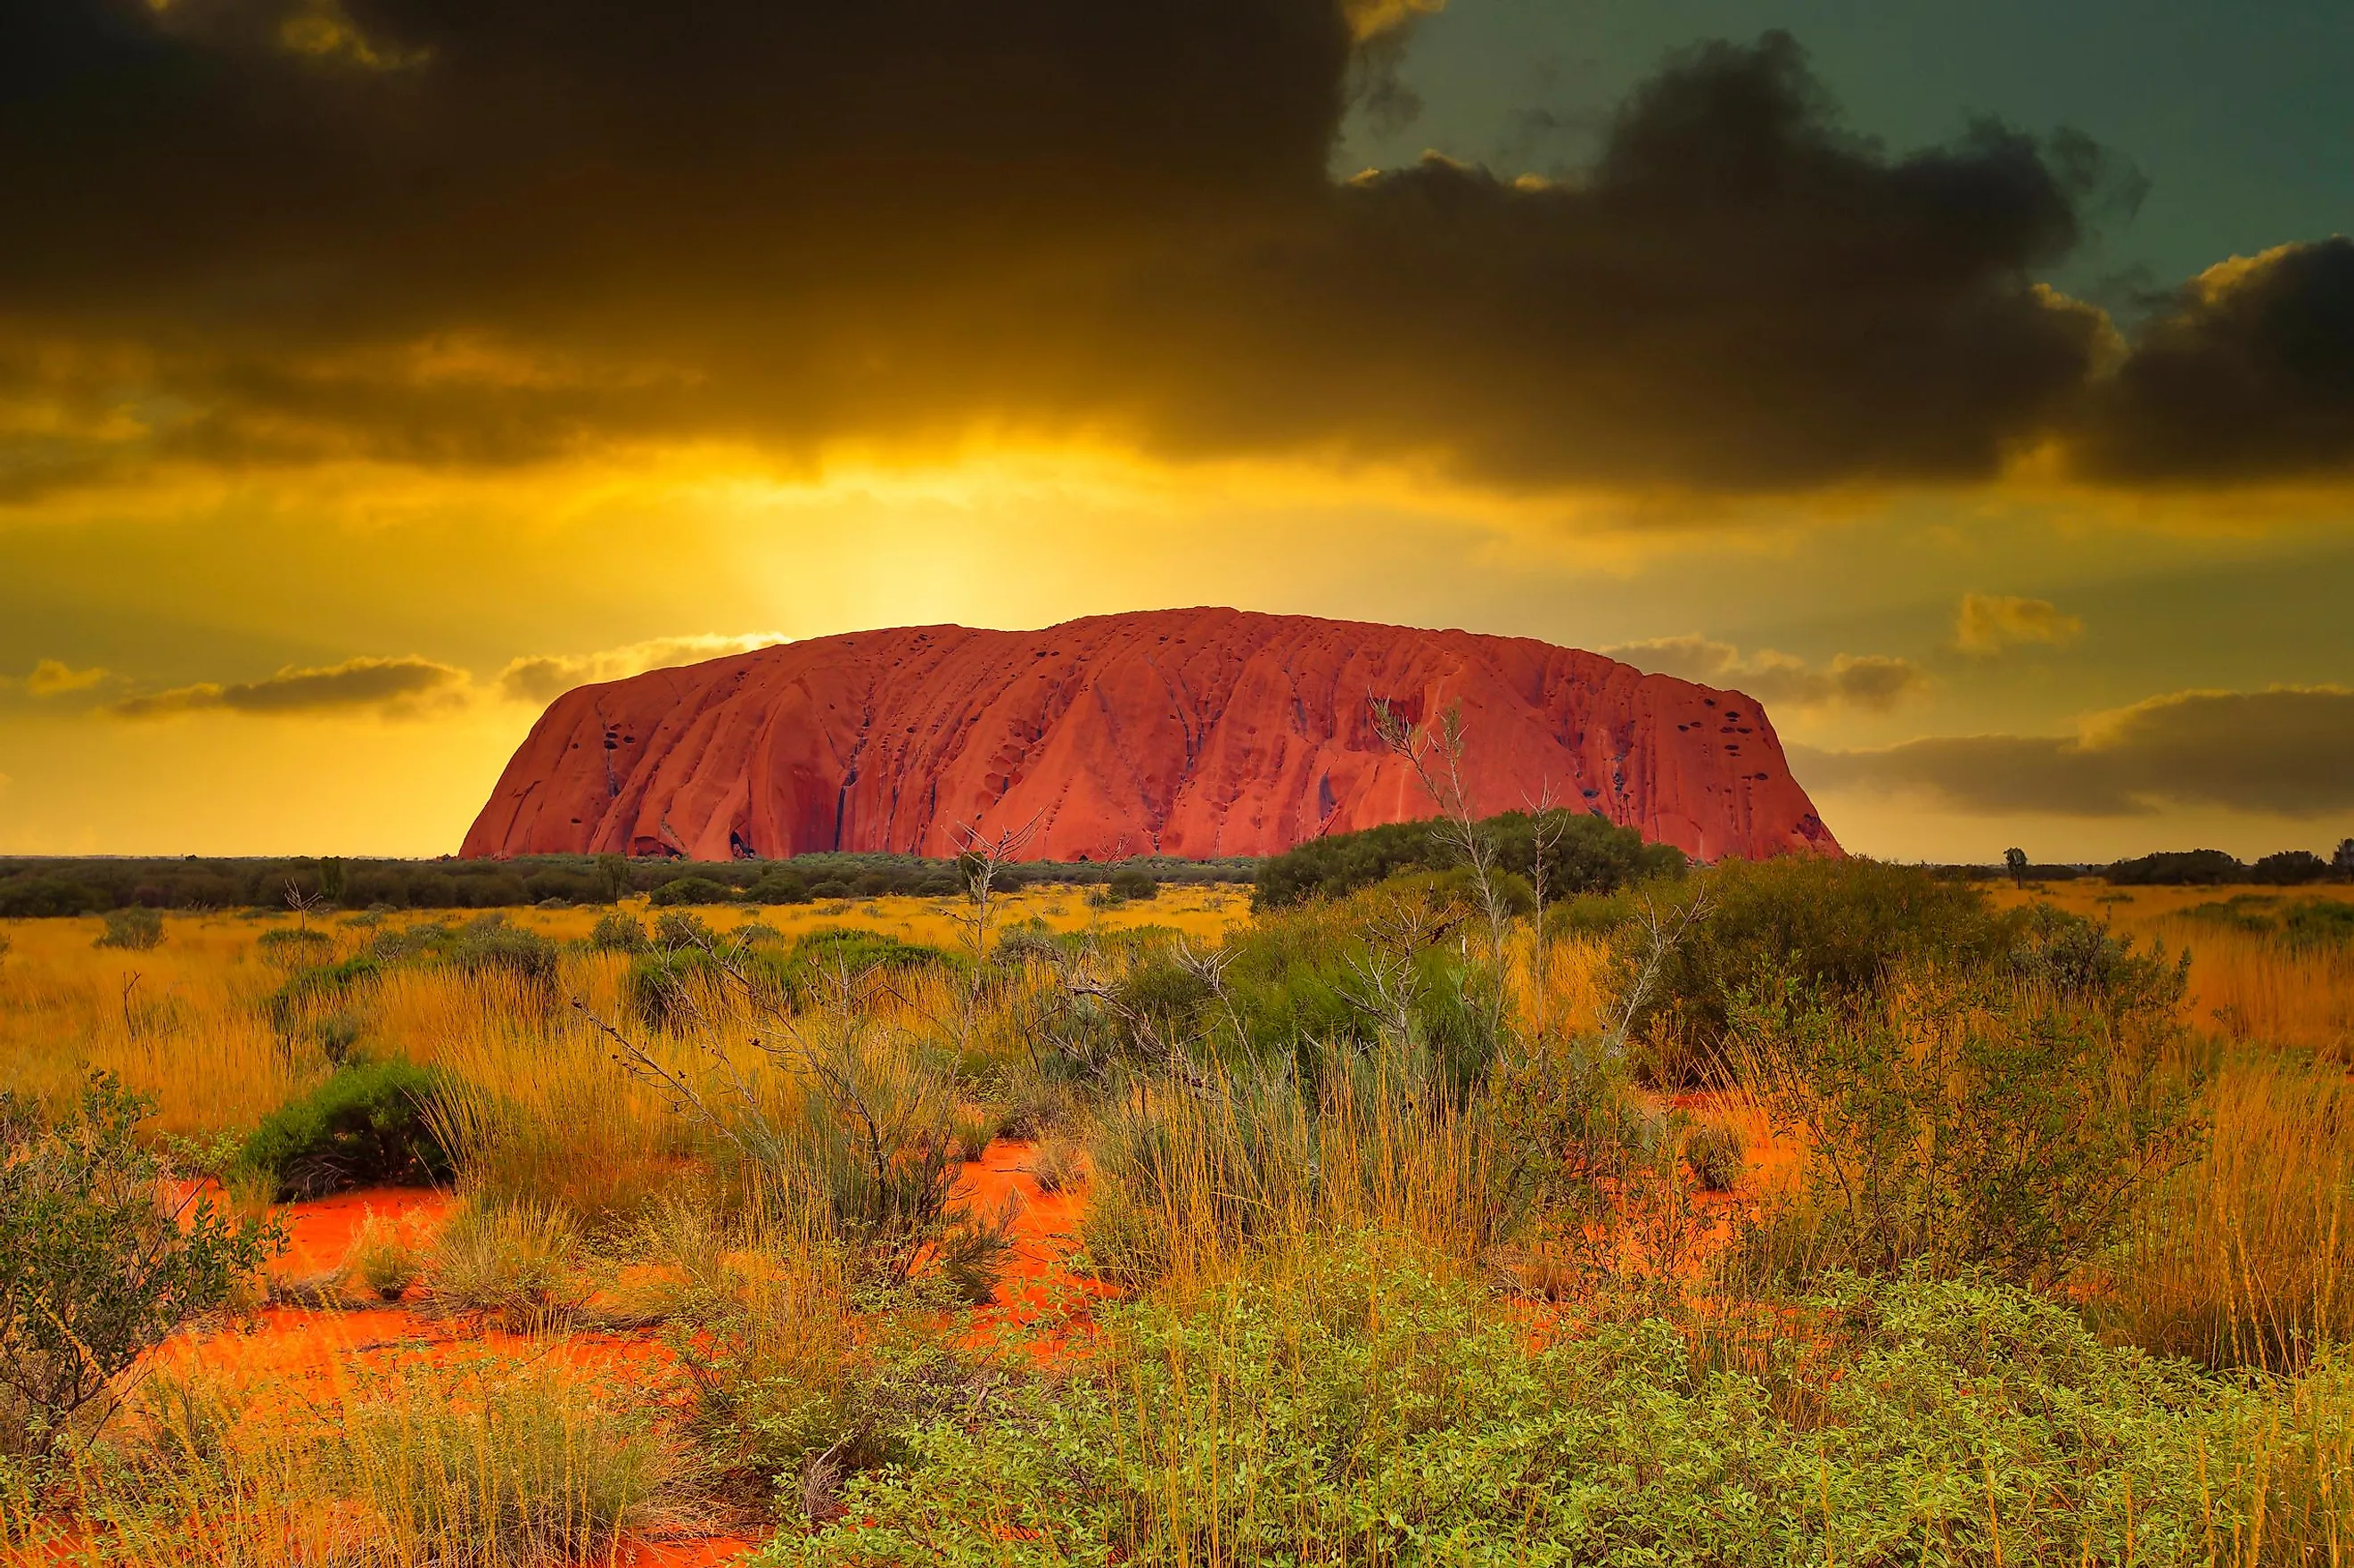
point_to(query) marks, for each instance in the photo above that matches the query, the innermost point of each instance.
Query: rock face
(1182, 732)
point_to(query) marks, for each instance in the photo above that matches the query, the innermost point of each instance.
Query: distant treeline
(43, 886)
(2190, 868)
(1591, 856)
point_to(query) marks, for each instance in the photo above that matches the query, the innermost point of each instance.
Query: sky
(1973, 384)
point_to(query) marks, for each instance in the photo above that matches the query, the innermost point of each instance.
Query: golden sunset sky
(1975, 387)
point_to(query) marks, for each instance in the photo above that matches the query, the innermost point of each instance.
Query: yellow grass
(182, 1022)
(2243, 986)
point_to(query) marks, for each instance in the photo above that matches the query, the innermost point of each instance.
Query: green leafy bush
(1133, 882)
(490, 945)
(1580, 853)
(616, 932)
(1831, 926)
(1364, 1408)
(368, 1125)
(689, 890)
(136, 928)
(98, 1263)
(1965, 1121)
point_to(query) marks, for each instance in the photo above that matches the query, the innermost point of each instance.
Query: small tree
(102, 1256)
(2343, 859)
(2015, 862)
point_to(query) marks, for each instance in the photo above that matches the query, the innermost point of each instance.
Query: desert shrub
(853, 950)
(516, 1263)
(98, 1263)
(1331, 979)
(855, 1133)
(381, 1260)
(688, 890)
(323, 1004)
(2319, 923)
(972, 1131)
(678, 929)
(801, 1381)
(427, 938)
(781, 887)
(136, 928)
(659, 988)
(2074, 958)
(1965, 1121)
(295, 947)
(616, 932)
(1057, 1163)
(1581, 854)
(1714, 1151)
(1133, 882)
(1835, 926)
(489, 946)
(1361, 1406)
(370, 1124)
(475, 1467)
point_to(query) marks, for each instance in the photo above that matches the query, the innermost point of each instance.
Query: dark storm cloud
(474, 231)
(2249, 372)
(397, 687)
(2288, 751)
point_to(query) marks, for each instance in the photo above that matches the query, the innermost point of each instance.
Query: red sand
(320, 1345)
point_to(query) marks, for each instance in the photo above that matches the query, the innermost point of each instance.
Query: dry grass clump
(384, 1259)
(517, 1263)
(468, 1463)
(2245, 1257)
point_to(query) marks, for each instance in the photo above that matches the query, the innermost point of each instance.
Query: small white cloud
(1877, 682)
(543, 677)
(1990, 623)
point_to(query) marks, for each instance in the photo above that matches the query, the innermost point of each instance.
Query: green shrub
(1586, 854)
(1133, 882)
(489, 946)
(616, 932)
(781, 887)
(368, 1125)
(1965, 1122)
(1832, 927)
(658, 988)
(836, 950)
(677, 930)
(2320, 923)
(295, 947)
(689, 890)
(136, 928)
(98, 1263)
(1364, 1408)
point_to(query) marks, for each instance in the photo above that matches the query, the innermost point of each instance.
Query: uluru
(1193, 732)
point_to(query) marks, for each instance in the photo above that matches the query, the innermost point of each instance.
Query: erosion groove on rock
(1182, 732)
